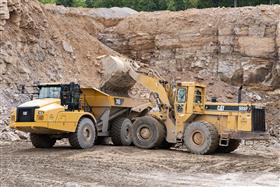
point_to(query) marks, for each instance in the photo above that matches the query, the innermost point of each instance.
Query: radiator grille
(258, 119)
(25, 114)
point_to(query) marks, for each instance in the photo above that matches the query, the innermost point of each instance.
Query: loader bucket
(116, 78)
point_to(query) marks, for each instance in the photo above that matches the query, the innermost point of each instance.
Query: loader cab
(190, 98)
(69, 94)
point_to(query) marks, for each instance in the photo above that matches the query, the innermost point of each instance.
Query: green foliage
(79, 3)
(65, 3)
(48, 1)
(153, 5)
(89, 3)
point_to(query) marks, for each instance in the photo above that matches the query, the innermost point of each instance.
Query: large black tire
(147, 132)
(121, 131)
(42, 140)
(201, 138)
(232, 146)
(85, 135)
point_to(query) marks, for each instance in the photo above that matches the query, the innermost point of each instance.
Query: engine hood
(40, 102)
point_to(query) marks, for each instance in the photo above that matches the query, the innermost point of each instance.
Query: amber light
(13, 117)
(40, 117)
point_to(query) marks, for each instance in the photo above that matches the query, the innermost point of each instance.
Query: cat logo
(220, 108)
(118, 101)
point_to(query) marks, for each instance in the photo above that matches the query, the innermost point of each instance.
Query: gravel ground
(23, 165)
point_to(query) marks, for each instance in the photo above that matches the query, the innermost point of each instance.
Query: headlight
(41, 113)
(13, 117)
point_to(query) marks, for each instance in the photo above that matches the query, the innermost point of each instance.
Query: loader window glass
(49, 92)
(181, 95)
(198, 97)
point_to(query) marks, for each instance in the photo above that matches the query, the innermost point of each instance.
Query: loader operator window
(181, 95)
(198, 97)
(49, 92)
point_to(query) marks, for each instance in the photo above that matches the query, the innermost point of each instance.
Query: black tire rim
(127, 132)
(87, 133)
(198, 137)
(144, 133)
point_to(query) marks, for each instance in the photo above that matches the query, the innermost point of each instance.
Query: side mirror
(240, 94)
(22, 89)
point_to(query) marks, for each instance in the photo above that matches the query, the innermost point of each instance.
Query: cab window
(49, 92)
(198, 96)
(181, 95)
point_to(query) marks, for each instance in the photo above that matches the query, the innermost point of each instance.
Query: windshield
(49, 92)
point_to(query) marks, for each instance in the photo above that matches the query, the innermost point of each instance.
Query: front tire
(85, 135)
(147, 132)
(42, 140)
(201, 138)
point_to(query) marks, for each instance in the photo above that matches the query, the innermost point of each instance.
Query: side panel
(68, 121)
(228, 121)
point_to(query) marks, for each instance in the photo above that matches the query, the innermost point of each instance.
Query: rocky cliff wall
(38, 45)
(238, 45)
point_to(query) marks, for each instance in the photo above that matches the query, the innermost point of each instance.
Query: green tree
(180, 4)
(66, 3)
(171, 5)
(161, 4)
(79, 3)
(192, 3)
(48, 1)
(89, 3)
(153, 5)
(147, 5)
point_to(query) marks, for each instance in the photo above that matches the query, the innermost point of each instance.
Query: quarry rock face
(240, 46)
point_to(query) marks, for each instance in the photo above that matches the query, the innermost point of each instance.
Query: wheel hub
(127, 133)
(86, 133)
(198, 138)
(145, 133)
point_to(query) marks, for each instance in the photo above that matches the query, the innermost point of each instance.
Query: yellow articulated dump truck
(80, 114)
(181, 114)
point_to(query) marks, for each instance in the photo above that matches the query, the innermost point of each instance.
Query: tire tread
(214, 139)
(116, 131)
(41, 140)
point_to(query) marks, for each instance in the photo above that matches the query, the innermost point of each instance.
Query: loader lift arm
(153, 84)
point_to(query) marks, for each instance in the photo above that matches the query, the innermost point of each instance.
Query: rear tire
(201, 138)
(121, 132)
(85, 135)
(42, 140)
(232, 146)
(147, 132)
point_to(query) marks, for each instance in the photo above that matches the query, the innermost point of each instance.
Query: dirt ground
(23, 165)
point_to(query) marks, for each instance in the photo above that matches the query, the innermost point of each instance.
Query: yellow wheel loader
(83, 115)
(182, 116)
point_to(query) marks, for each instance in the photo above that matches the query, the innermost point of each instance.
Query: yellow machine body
(51, 117)
(232, 120)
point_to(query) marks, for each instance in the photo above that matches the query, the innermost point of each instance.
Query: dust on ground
(23, 165)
